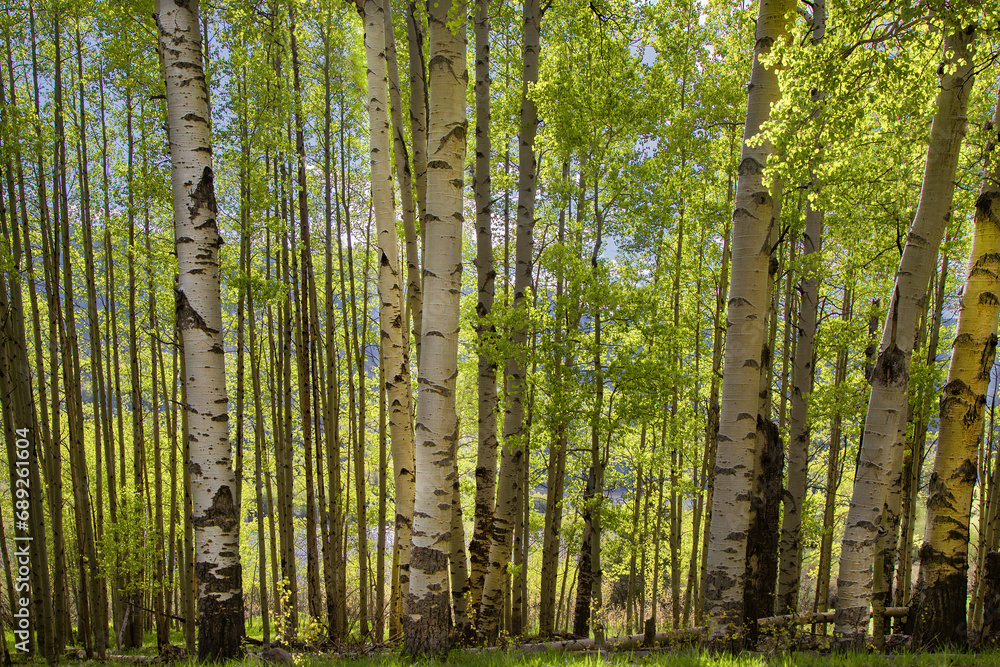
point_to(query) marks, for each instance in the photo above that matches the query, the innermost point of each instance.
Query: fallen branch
(821, 617)
(622, 643)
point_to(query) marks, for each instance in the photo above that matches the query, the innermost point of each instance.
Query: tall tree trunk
(393, 347)
(914, 458)
(596, 459)
(486, 453)
(555, 478)
(101, 423)
(404, 176)
(793, 500)
(834, 471)
(425, 623)
(513, 431)
(890, 378)
(70, 352)
(305, 349)
(748, 304)
(942, 579)
(334, 593)
(199, 318)
(383, 469)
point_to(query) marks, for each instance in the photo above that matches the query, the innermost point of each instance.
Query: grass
(682, 657)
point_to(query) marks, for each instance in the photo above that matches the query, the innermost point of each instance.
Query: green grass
(512, 657)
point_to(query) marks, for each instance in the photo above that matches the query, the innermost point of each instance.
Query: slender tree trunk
(199, 318)
(101, 423)
(596, 459)
(393, 328)
(403, 175)
(793, 500)
(890, 378)
(383, 469)
(486, 454)
(748, 303)
(513, 435)
(419, 133)
(941, 583)
(834, 471)
(457, 557)
(557, 453)
(425, 622)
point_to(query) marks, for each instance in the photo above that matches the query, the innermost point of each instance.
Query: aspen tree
(513, 430)
(425, 622)
(914, 457)
(790, 564)
(556, 473)
(404, 178)
(199, 319)
(748, 304)
(392, 346)
(833, 470)
(486, 452)
(940, 594)
(890, 376)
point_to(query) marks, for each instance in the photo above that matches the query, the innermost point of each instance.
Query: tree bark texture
(425, 623)
(199, 319)
(890, 376)
(748, 305)
(940, 595)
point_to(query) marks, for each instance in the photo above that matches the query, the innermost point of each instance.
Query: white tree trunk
(890, 377)
(508, 483)
(199, 319)
(790, 564)
(748, 305)
(942, 579)
(486, 453)
(393, 328)
(425, 623)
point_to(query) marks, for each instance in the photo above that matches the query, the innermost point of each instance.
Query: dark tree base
(990, 632)
(938, 614)
(765, 530)
(581, 609)
(428, 637)
(221, 630)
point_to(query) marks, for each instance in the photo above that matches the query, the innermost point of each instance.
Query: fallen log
(820, 617)
(621, 643)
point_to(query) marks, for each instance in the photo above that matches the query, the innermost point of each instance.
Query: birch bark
(890, 376)
(199, 319)
(428, 609)
(939, 603)
(748, 305)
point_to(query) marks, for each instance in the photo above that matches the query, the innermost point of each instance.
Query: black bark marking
(204, 196)
(428, 635)
(984, 209)
(222, 513)
(221, 625)
(990, 633)
(764, 531)
(187, 316)
(890, 367)
(938, 614)
(750, 166)
(986, 358)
